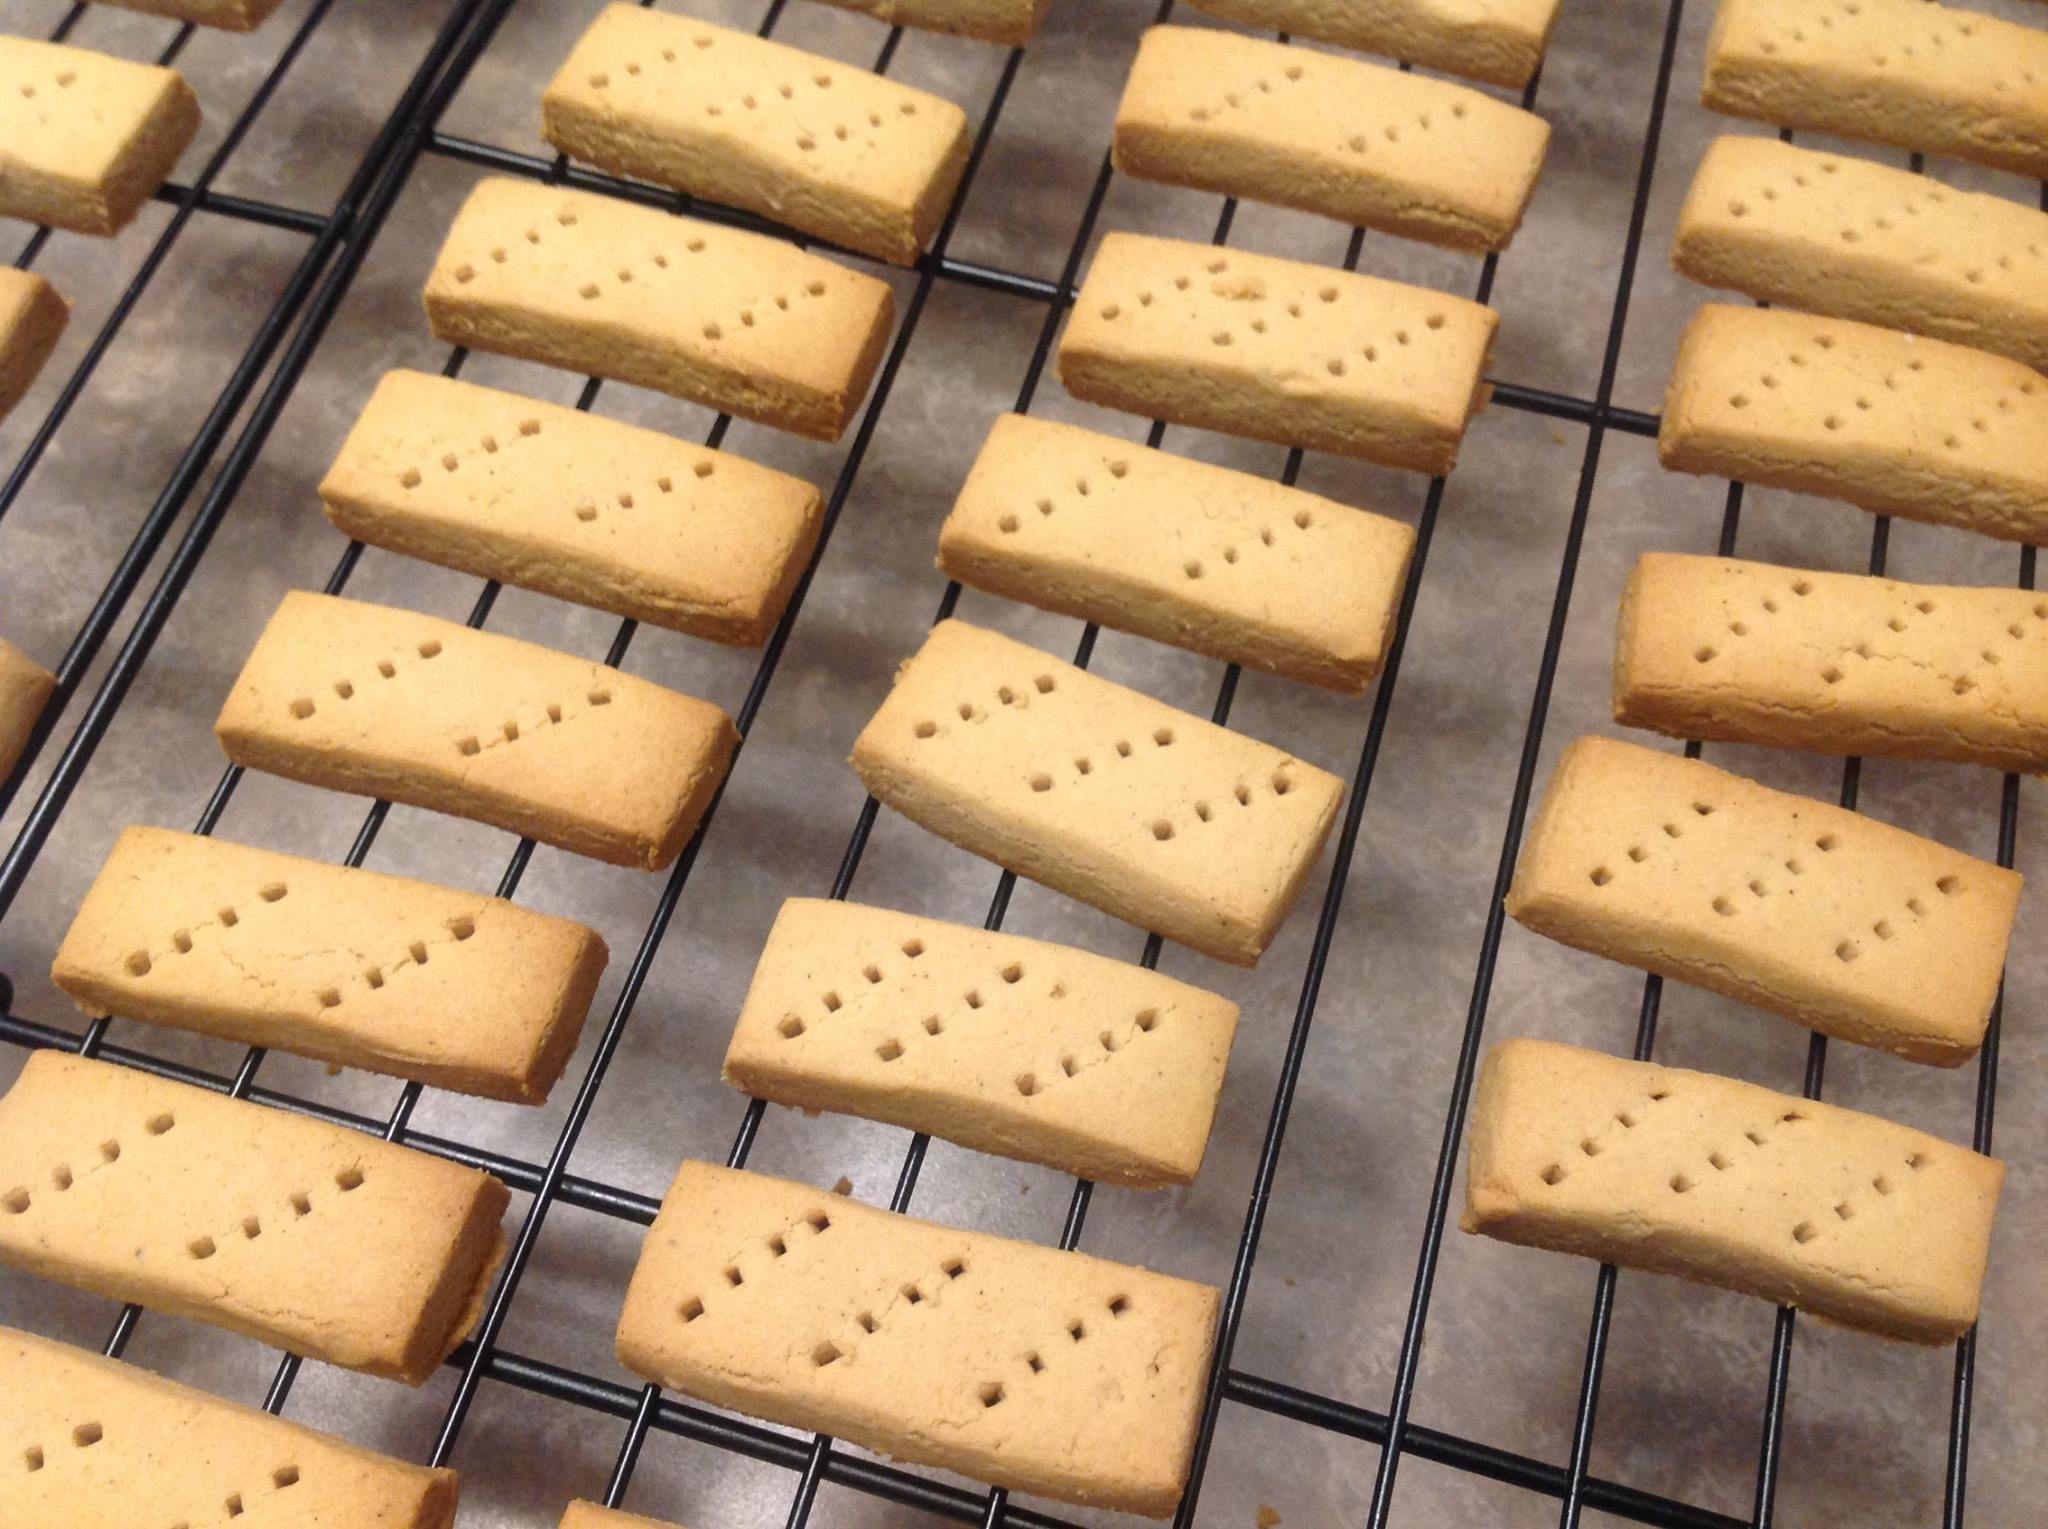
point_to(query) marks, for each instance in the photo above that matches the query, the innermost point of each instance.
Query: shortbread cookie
(1500, 41)
(1278, 350)
(1839, 922)
(588, 1515)
(1896, 423)
(308, 1236)
(1013, 1046)
(85, 138)
(1893, 71)
(410, 708)
(451, 988)
(560, 500)
(1182, 827)
(1838, 663)
(741, 323)
(1359, 142)
(1014, 22)
(1859, 240)
(25, 689)
(1235, 566)
(229, 15)
(1849, 1217)
(829, 149)
(32, 317)
(96, 1444)
(1020, 1365)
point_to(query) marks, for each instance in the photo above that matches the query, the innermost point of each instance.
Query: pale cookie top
(1920, 655)
(1363, 119)
(711, 526)
(754, 302)
(811, 117)
(995, 1025)
(70, 112)
(348, 679)
(1303, 326)
(1759, 188)
(1790, 380)
(1575, 1134)
(1922, 48)
(1056, 497)
(187, 928)
(1016, 1357)
(259, 1216)
(1084, 764)
(88, 1440)
(1646, 840)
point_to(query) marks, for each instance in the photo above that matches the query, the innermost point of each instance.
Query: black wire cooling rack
(282, 347)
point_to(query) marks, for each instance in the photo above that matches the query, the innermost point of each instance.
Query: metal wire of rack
(340, 242)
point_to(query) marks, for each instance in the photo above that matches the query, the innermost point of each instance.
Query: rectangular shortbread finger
(301, 1234)
(589, 509)
(32, 317)
(1013, 22)
(1839, 922)
(100, 1439)
(229, 15)
(1232, 565)
(1896, 423)
(85, 138)
(746, 324)
(1847, 1216)
(451, 988)
(1181, 827)
(1892, 71)
(1499, 41)
(1854, 239)
(1020, 1365)
(824, 147)
(588, 1515)
(1359, 142)
(1278, 350)
(1838, 663)
(25, 689)
(1014, 1046)
(411, 708)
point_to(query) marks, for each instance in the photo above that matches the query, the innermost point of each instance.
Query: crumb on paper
(1288, 1282)
(1557, 437)
(844, 1186)
(1267, 1517)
